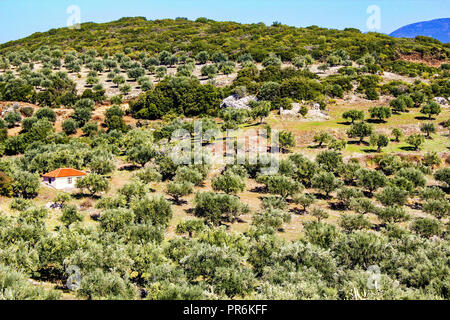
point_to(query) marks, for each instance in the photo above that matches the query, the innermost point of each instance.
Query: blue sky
(20, 18)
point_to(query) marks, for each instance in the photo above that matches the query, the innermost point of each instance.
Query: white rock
(441, 100)
(294, 112)
(236, 103)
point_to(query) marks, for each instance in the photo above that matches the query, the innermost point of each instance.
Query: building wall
(63, 183)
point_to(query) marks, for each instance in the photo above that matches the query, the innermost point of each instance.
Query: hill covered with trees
(358, 209)
(138, 34)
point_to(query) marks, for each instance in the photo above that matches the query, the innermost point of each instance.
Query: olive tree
(392, 195)
(319, 214)
(392, 214)
(362, 205)
(326, 181)
(360, 130)
(305, 200)
(216, 208)
(70, 214)
(228, 182)
(351, 222)
(141, 154)
(431, 109)
(261, 111)
(370, 180)
(93, 183)
(346, 195)
(190, 227)
(397, 133)
(379, 141)
(280, 184)
(25, 184)
(415, 140)
(322, 137)
(179, 189)
(286, 140)
(381, 113)
(353, 115)
(428, 129)
(70, 126)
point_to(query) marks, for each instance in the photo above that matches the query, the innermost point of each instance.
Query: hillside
(437, 29)
(224, 161)
(137, 34)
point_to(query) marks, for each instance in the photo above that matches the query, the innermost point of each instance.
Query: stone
(237, 103)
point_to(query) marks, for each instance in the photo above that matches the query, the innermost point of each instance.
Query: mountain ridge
(437, 29)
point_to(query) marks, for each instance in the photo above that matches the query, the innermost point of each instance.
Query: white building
(63, 178)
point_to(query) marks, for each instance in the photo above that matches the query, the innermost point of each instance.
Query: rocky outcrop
(294, 112)
(237, 103)
(442, 101)
(314, 112)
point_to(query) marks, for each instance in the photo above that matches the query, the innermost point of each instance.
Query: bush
(443, 175)
(26, 111)
(46, 113)
(438, 208)
(426, 227)
(15, 286)
(20, 204)
(69, 126)
(273, 203)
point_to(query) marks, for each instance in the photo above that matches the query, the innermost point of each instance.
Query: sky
(20, 18)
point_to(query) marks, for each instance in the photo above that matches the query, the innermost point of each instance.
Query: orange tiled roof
(64, 172)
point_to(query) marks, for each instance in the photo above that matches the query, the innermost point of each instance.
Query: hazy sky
(20, 18)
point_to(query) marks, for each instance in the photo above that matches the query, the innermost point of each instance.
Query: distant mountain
(437, 29)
